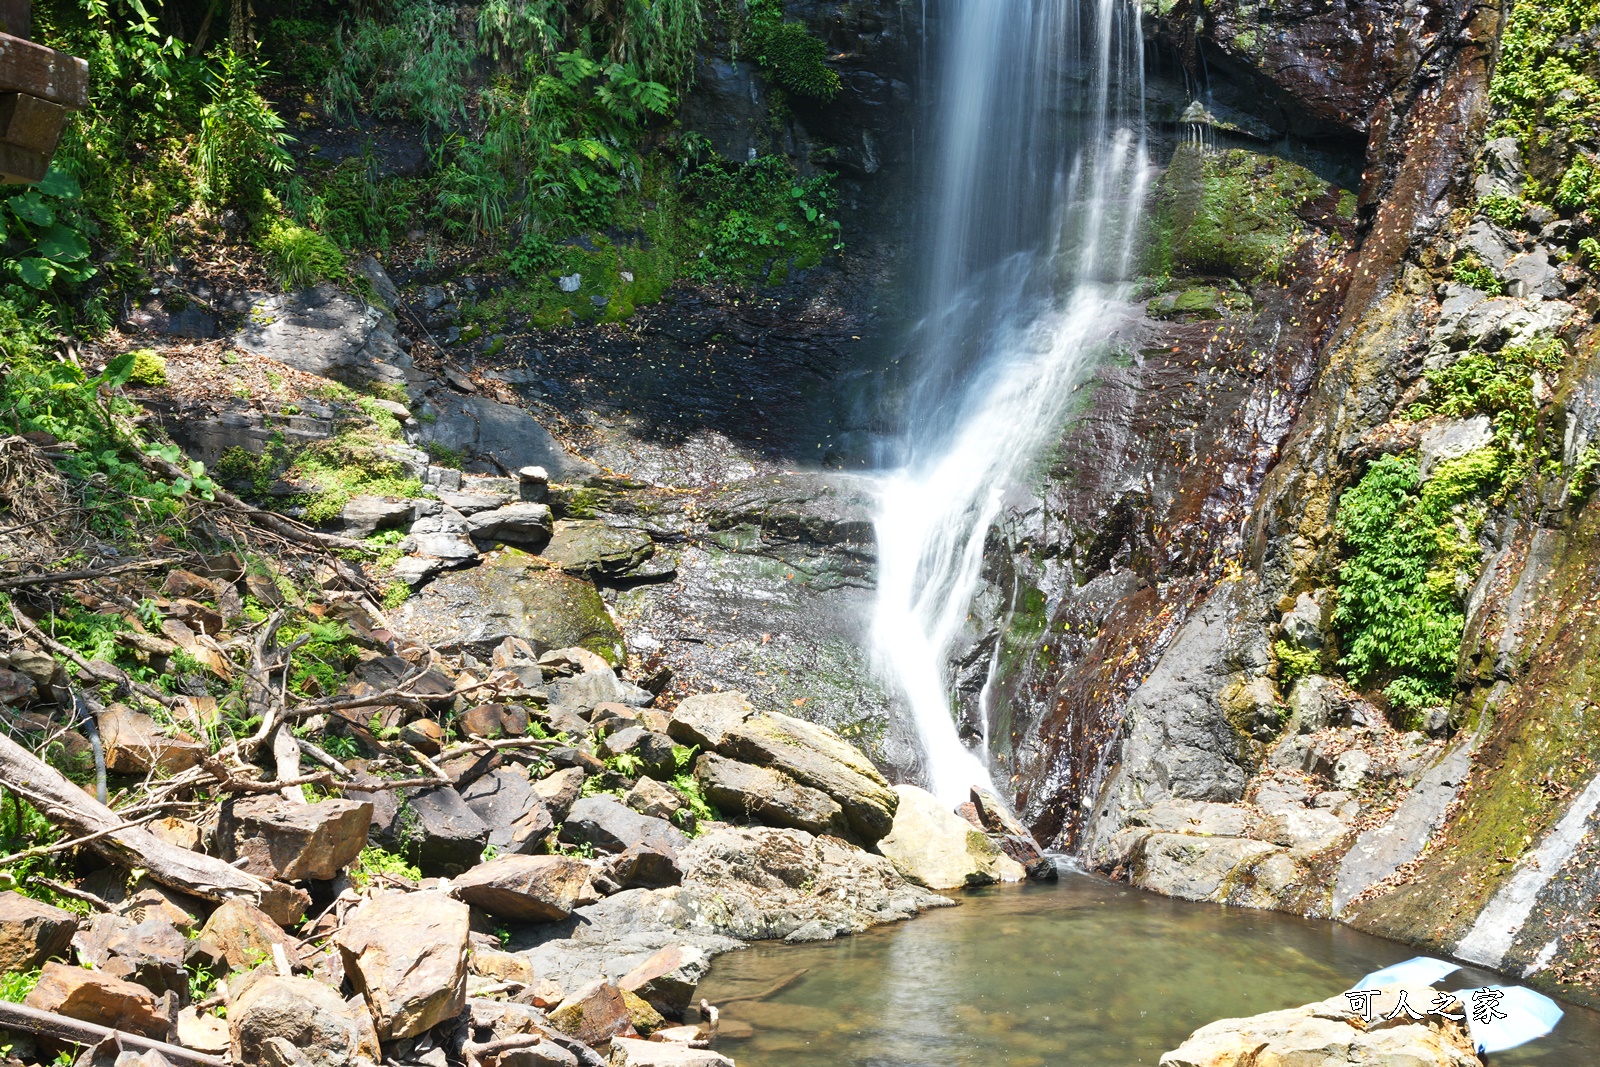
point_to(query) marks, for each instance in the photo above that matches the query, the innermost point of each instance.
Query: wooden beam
(19, 1018)
(16, 18)
(31, 68)
(31, 123)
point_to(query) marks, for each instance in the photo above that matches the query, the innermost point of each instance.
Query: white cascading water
(1041, 172)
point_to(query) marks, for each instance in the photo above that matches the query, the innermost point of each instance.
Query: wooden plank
(31, 68)
(16, 18)
(20, 165)
(31, 123)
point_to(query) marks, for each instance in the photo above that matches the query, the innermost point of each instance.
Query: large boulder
(505, 801)
(500, 435)
(816, 756)
(326, 332)
(1330, 1033)
(667, 979)
(510, 594)
(406, 953)
(244, 934)
(608, 825)
(592, 549)
(1197, 868)
(273, 837)
(31, 932)
(935, 847)
(595, 1015)
(98, 998)
(520, 523)
(322, 1027)
(768, 796)
(527, 888)
(704, 719)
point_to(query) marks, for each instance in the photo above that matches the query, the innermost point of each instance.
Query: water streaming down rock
(1041, 172)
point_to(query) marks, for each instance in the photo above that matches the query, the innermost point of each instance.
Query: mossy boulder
(510, 594)
(1200, 301)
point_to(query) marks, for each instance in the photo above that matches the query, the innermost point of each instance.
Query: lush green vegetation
(1546, 95)
(1230, 213)
(793, 55)
(1411, 547)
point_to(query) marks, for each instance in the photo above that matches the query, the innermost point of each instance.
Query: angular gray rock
(591, 549)
(559, 789)
(934, 847)
(364, 516)
(505, 801)
(650, 797)
(443, 536)
(272, 837)
(526, 888)
(328, 333)
(510, 595)
(704, 719)
(741, 790)
(519, 523)
(608, 825)
(667, 980)
(653, 750)
(501, 435)
(816, 756)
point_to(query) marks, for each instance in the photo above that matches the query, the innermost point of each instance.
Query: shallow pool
(1083, 973)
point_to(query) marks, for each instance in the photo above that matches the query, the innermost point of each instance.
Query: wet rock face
(1314, 69)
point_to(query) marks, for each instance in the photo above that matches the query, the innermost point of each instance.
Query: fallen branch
(62, 846)
(484, 744)
(777, 987)
(19, 1018)
(100, 672)
(87, 574)
(65, 805)
(72, 891)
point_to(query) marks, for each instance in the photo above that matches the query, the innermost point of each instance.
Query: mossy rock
(1200, 301)
(510, 594)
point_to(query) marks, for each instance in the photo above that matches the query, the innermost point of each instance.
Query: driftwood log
(18, 1018)
(68, 807)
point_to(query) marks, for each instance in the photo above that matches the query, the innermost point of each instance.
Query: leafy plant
(16, 985)
(149, 367)
(300, 256)
(1409, 549)
(374, 862)
(795, 57)
(1472, 271)
(1294, 661)
(239, 148)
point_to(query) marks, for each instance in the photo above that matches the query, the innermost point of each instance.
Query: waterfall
(1040, 173)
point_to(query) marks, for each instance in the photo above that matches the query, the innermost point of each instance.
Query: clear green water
(1085, 972)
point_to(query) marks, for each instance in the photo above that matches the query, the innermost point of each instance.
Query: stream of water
(1083, 973)
(1041, 172)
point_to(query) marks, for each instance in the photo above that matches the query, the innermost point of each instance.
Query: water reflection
(1082, 974)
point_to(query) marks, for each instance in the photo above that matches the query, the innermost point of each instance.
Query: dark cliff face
(1196, 468)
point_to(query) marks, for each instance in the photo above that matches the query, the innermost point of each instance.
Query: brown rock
(628, 1052)
(203, 1033)
(425, 735)
(135, 744)
(16, 689)
(407, 954)
(594, 1015)
(668, 978)
(324, 1029)
(501, 966)
(527, 888)
(279, 838)
(742, 790)
(560, 789)
(176, 831)
(31, 932)
(704, 719)
(187, 584)
(98, 998)
(245, 934)
(144, 899)
(151, 953)
(817, 757)
(495, 720)
(650, 797)
(642, 867)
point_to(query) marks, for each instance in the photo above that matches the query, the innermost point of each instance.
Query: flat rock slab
(629, 1052)
(589, 548)
(510, 595)
(527, 888)
(97, 998)
(742, 790)
(326, 332)
(497, 435)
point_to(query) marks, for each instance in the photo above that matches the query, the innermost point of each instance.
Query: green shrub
(1470, 270)
(794, 56)
(300, 256)
(1408, 549)
(1546, 94)
(1507, 211)
(374, 861)
(239, 149)
(1294, 661)
(149, 367)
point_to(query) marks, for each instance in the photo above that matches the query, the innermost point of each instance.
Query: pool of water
(1083, 973)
